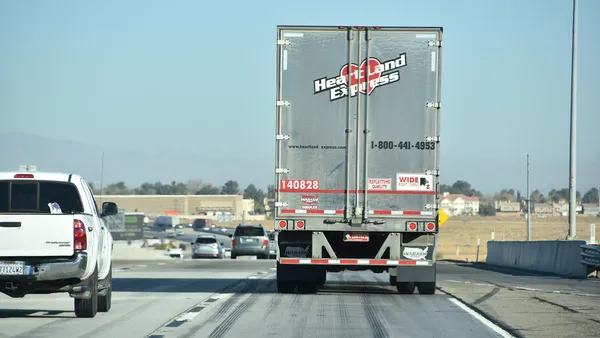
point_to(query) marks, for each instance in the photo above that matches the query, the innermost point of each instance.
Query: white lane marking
(187, 317)
(142, 266)
(497, 329)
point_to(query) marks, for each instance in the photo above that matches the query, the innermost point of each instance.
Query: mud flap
(411, 273)
(297, 272)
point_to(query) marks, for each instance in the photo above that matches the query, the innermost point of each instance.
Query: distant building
(460, 205)
(591, 209)
(507, 208)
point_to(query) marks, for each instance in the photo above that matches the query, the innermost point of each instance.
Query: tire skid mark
(300, 316)
(227, 305)
(342, 310)
(372, 314)
(232, 318)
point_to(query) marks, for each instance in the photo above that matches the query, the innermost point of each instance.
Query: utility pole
(528, 204)
(573, 132)
(102, 175)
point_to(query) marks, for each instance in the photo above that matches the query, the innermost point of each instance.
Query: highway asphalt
(236, 298)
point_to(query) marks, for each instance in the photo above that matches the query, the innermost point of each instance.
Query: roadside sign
(443, 217)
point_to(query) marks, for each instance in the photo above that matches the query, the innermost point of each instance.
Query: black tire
(307, 287)
(87, 308)
(427, 288)
(392, 280)
(285, 286)
(405, 288)
(105, 302)
(233, 256)
(321, 277)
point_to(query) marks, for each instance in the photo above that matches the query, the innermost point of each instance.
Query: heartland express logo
(380, 74)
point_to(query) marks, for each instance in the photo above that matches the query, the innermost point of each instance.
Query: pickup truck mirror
(230, 235)
(222, 244)
(109, 209)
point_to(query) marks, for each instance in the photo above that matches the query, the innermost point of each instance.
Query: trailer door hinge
(281, 204)
(434, 105)
(433, 206)
(282, 171)
(283, 103)
(432, 138)
(435, 43)
(432, 172)
(282, 137)
(284, 42)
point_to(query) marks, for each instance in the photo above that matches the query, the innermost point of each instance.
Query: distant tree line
(191, 187)
(231, 187)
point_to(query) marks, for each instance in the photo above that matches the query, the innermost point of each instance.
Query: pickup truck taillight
(79, 235)
(265, 242)
(233, 242)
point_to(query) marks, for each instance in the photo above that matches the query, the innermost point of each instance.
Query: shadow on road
(502, 270)
(233, 285)
(35, 313)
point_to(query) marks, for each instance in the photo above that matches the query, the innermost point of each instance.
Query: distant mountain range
(132, 167)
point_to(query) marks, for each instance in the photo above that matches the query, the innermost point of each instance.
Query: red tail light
(214, 245)
(430, 226)
(265, 242)
(233, 242)
(300, 224)
(197, 245)
(79, 235)
(24, 176)
(412, 226)
(283, 224)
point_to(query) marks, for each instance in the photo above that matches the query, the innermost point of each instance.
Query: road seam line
(497, 329)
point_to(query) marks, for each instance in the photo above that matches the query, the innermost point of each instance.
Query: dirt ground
(458, 236)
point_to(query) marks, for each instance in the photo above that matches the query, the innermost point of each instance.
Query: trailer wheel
(285, 286)
(426, 288)
(405, 288)
(307, 287)
(392, 280)
(321, 277)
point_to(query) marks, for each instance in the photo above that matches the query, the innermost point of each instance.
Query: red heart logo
(357, 76)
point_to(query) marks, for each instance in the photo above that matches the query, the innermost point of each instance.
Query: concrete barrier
(557, 257)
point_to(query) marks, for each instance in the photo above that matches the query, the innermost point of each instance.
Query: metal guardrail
(590, 256)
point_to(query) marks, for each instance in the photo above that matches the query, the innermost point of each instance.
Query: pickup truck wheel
(87, 308)
(105, 302)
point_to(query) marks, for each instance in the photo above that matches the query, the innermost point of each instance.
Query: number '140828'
(291, 185)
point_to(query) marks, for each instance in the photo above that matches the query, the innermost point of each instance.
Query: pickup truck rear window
(34, 197)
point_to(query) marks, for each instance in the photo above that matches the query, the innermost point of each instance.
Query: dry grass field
(458, 236)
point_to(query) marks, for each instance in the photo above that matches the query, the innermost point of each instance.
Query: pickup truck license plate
(356, 237)
(11, 268)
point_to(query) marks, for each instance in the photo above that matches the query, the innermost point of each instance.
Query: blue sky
(173, 75)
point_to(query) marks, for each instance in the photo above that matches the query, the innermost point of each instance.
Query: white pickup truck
(53, 239)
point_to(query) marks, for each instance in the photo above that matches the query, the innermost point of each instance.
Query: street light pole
(528, 204)
(573, 132)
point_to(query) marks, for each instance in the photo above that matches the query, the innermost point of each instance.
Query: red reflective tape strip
(382, 212)
(411, 212)
(348, 261)
(338, 191)
(311, 211)
(290, 261)
(403, 262)
(319, 261)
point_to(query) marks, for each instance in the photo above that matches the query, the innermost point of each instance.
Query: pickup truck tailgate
(36, 235)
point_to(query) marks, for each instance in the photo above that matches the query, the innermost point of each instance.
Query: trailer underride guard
(357, 154)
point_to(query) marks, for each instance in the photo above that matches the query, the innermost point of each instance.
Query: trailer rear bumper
(371, 262)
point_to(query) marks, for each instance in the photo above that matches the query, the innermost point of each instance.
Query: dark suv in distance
(250, 240)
